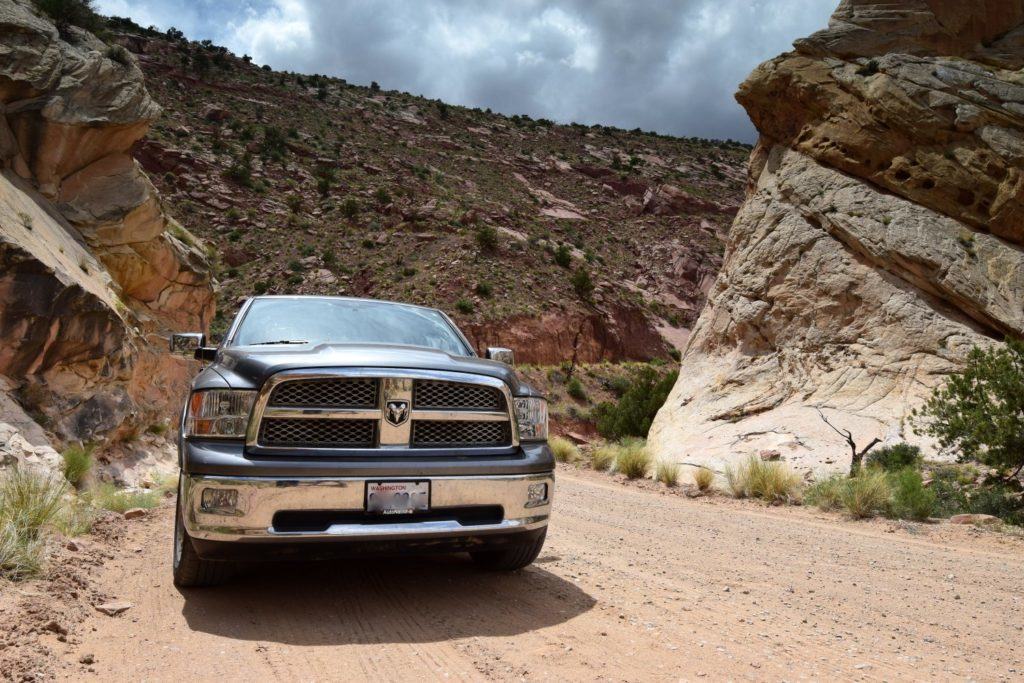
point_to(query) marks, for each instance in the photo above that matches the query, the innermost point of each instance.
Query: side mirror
(502, 355)
(187, 343)
(192, 345)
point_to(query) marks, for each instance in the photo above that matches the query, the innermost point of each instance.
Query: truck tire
(511, 558)
(190, 570)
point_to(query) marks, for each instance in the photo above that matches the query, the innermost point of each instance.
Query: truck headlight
(221, 413)
(532, 416)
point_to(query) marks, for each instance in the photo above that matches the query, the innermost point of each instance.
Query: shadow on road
(410, 600)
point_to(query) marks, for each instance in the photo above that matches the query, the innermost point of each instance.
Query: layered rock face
(880, 240)
(93, 273)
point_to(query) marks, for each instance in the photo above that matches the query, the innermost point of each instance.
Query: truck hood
(247, 367)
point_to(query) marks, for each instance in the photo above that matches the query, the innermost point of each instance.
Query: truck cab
(326, 426)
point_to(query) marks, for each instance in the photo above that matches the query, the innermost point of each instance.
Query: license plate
(397, 497)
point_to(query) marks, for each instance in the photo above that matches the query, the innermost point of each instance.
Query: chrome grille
(326, 393)
(432, 394)
(440, 433)
(324, 409)
(318, 433)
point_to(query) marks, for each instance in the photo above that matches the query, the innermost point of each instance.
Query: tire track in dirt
(632, 585)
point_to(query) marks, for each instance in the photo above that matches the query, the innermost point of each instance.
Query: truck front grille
(318, 433)
(455, 396)
(327, 409)
(327, 393)
(444, 433)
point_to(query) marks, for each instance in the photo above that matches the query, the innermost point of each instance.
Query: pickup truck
(330, 426)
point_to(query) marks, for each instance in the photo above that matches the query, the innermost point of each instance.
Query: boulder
(879, 242)
(93, 273)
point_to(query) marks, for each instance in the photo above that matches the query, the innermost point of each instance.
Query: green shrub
(998, 500)
(464, 306)
(487, 238)
(866, 494)
(65, 13)
(633, 459)
(603, 457)
(978, 411)
(910, 499)
(895, 458)
(575, 389)
(109, 497)
(633, 413)
(563, 255)
(564, 450)
(484, 289)
(349, 208)
(77, 463)
(667, 472)
(827, 493)
(582, 284)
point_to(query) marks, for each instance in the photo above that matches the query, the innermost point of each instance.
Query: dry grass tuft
(603, 457)
(564, 450)
(703, 478)
(667, 472)
(773, 482)
(633, 459)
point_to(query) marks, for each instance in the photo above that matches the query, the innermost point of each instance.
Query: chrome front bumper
(260, 498)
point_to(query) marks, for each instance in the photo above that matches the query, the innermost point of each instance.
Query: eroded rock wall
(93, 273)
(880, 240)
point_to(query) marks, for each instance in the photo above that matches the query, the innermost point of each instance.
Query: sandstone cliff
(880, 240)
(93, 273)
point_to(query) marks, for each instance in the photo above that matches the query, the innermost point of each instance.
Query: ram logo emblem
(396, 412)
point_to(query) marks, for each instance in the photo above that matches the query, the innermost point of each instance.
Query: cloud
(665, 65)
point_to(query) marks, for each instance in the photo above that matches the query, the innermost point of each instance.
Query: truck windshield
(345, 321)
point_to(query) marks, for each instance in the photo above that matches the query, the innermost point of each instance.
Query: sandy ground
(633, 585)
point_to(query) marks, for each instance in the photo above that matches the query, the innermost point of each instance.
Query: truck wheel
(190, 569)
(511, 558)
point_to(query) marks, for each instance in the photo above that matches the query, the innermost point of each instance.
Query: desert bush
(65, 13)
(106, 496)
(29, 502)
(77, 463)
(564, 450)
(603, 457)
(563, 255)
(827, 493)
(484, 289)
(895, 458)
(582, 284)
(574, 387)
(999, 500)
(349, 208)
(632, 459)
(667, 472)
(486, 238)
(464, 306)
(770, 481)
(978, 411)
(635, 410)
(910, 499)
(866, 494)
(703, 477)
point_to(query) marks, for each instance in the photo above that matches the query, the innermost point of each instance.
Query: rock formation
(93, 273)
(880, 240)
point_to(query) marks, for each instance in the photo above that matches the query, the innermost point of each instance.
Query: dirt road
(633, 585)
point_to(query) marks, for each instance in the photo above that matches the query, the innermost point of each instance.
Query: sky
(671, 66)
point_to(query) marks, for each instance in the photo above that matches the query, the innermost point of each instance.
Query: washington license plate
(397, 497)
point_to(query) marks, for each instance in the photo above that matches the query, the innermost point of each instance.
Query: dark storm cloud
(669, 65)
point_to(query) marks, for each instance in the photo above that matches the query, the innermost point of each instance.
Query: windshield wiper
(281, 341)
